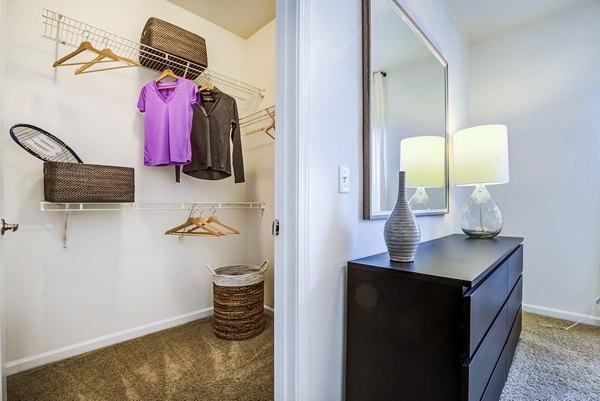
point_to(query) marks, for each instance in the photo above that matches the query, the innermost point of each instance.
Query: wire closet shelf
(70, 32)
(165, 205)
(261, 121)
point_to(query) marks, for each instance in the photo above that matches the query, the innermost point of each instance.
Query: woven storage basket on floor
(80, 182)
(238, 300)
(166, 39)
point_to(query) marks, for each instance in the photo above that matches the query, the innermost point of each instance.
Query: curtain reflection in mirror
(378, 137)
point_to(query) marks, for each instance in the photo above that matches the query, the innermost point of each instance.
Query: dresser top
(454, 260)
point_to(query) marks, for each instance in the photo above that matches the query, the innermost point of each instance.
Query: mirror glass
(405, 113)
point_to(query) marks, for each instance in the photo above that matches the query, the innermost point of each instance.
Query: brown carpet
(185, 363)
(188, 363)
(552, 364)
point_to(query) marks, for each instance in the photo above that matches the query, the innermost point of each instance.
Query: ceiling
(242, 17)
(393, 42)
(481, 19)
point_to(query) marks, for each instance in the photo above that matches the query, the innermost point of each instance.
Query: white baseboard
(561, 314)
(85, 346)
(269, 311)
(58, 354)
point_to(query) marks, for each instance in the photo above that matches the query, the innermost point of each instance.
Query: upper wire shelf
(261, 121)
(70, 32)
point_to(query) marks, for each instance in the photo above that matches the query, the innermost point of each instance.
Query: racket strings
(46, 147)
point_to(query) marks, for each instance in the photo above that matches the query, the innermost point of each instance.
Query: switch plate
(343, 180)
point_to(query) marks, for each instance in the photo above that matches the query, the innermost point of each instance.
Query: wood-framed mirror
(405, 113)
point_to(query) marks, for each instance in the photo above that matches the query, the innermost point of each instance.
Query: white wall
(260, 155)
(542, 81)
(337, 232)
(119, 270)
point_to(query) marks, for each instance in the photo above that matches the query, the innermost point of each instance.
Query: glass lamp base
(420, 200)
(480, 234)
(480, 217)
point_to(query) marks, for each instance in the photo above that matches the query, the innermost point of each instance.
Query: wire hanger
(101, 57)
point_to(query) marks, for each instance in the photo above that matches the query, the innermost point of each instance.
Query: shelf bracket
(58, 27)
(65, 229)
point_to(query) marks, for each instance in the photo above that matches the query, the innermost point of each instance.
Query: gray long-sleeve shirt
(215, 126)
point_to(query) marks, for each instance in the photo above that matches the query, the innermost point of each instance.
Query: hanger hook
(213, 210)
(192, 210)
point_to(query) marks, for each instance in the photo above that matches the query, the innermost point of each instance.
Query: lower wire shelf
(66, 208)
(166, 205)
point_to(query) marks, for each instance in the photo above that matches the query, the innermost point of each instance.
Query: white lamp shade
(481, 155)
(423, 160)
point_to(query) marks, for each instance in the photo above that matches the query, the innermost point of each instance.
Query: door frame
(3, 395)
(292, 343)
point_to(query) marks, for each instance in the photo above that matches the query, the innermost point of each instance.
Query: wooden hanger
(106, 53)
(82, 47)
(201, 222)
(102, 55)
(208, 85)
(270, 127)
(167, 73)
(191, 226)
(214, 219)
(266, 129)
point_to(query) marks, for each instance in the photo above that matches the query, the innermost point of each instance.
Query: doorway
(111, 282)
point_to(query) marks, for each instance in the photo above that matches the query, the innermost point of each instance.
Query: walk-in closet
(139, 163)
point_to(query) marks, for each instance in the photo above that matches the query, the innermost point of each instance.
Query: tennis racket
(42, 144)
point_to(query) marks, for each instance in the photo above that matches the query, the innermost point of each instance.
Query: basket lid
(239, 275)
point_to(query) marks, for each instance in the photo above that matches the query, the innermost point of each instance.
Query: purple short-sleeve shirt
(168, 121)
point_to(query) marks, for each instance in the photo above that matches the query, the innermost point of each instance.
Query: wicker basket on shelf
(238, 300)
(161, 40)
(81, 182)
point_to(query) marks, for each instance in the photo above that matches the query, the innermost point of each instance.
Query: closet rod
(70, 32)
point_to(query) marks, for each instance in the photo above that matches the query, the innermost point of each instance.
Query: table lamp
(423, 159)
(480, 159)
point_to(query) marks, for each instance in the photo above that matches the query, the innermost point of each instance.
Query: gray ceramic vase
(401, 231)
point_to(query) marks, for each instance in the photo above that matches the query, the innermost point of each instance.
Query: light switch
(343, 180)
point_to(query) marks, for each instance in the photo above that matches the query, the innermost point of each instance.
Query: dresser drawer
(513, 339)
(496, 384)
(515, 266)
(478, 370)
(494, 388)
(482, 306)
(514, 302)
